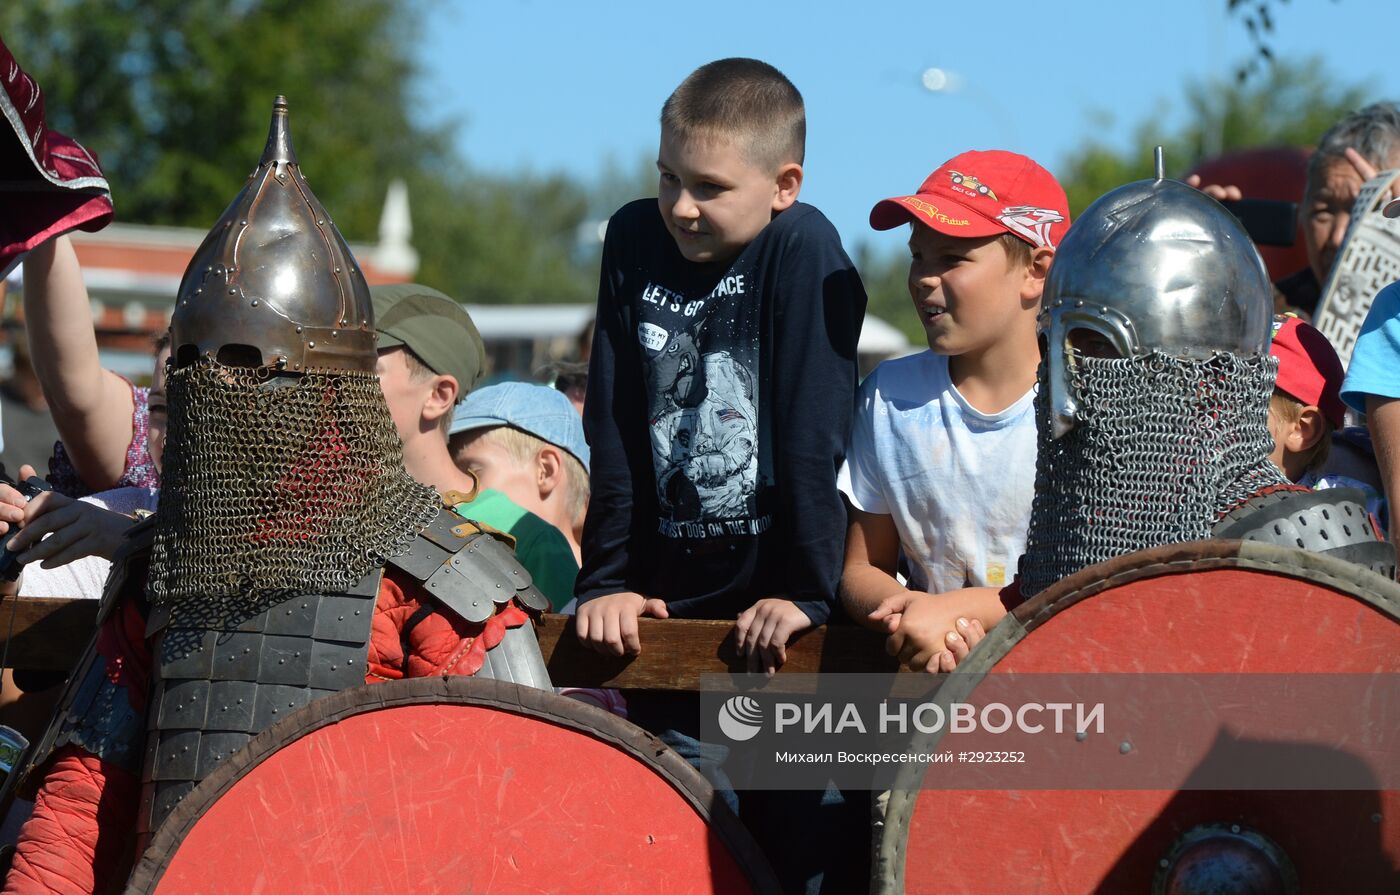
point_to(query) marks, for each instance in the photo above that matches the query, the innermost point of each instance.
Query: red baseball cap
(984, 193)
(1308, 367)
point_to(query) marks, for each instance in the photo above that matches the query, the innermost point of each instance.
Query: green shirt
(539, 546)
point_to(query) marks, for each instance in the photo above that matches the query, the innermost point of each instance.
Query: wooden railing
(47, 633)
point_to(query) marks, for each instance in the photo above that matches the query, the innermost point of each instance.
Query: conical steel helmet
(274, 275)
(1154, 265)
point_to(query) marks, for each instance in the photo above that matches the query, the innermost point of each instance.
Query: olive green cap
(434, 327)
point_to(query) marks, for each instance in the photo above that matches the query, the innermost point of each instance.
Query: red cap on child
(1308, 367)
(984, 193)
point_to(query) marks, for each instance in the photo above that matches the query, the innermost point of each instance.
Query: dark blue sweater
(719, 401)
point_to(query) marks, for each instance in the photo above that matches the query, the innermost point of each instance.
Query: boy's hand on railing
(763, 629)
(609, 624)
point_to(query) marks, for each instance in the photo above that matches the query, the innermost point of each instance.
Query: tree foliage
(1291, 106)
(175, 97)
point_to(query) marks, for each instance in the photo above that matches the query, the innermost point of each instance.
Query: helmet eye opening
(1091, 343)
(184, 356)
(236, 355)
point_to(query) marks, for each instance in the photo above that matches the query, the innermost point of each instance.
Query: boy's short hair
(417, 370)
(1019, 253)
(524, 447)
(745, 100)
(1289, 410)
(984, 193)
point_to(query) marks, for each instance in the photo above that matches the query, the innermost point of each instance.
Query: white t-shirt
(86, 577)
(958, 482)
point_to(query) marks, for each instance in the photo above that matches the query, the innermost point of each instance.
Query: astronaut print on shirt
(699, 357)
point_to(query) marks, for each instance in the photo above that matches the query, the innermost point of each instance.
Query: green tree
(886, 279)
(1290, 106)
(175, 96)
(506, 241)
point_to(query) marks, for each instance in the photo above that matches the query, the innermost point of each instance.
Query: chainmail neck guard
(276, 485)
(1163, 447)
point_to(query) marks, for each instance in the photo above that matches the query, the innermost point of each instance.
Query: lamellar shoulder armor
(1333, 521)
(467, 569)
(473, 574)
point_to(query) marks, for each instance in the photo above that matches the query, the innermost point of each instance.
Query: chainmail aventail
(1164, 445)
(276, 485)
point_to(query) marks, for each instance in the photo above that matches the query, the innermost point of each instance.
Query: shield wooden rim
(1349, 578)
(480, 692)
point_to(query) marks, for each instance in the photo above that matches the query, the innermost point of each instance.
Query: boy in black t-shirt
(721, 380)
(720, 393)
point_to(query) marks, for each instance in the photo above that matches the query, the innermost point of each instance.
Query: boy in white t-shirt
(941, 464)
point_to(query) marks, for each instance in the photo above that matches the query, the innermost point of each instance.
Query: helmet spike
(279, 137)
(1159, 164)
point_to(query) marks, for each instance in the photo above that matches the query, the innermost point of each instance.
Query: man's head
(430, 356)
(1334, 182)
(527, 442)
(985, 228)
(1151, 413)
(281, 472)
(733, 137)
(1307, 402)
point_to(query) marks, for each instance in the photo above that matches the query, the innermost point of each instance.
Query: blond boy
(524, 444)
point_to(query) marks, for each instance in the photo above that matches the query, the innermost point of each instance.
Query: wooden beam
(676, 652)
(48, 633)
(51, 633)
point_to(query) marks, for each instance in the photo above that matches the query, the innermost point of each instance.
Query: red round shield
(1214, 607)
(453, 784)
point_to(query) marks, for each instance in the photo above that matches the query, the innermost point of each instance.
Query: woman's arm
(92, 407)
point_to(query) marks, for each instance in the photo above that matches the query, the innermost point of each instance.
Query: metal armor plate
(1333, 521)
(219, 682)
(468, 570)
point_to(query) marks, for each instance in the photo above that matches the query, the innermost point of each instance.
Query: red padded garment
(78, 839)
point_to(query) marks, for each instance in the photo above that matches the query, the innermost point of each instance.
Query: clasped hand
(927, 632)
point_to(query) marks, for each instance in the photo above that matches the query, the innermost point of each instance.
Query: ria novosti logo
(741, 718)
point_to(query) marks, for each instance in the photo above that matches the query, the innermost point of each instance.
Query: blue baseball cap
(535, 409)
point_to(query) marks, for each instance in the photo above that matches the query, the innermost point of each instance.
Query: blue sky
(546, 86)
